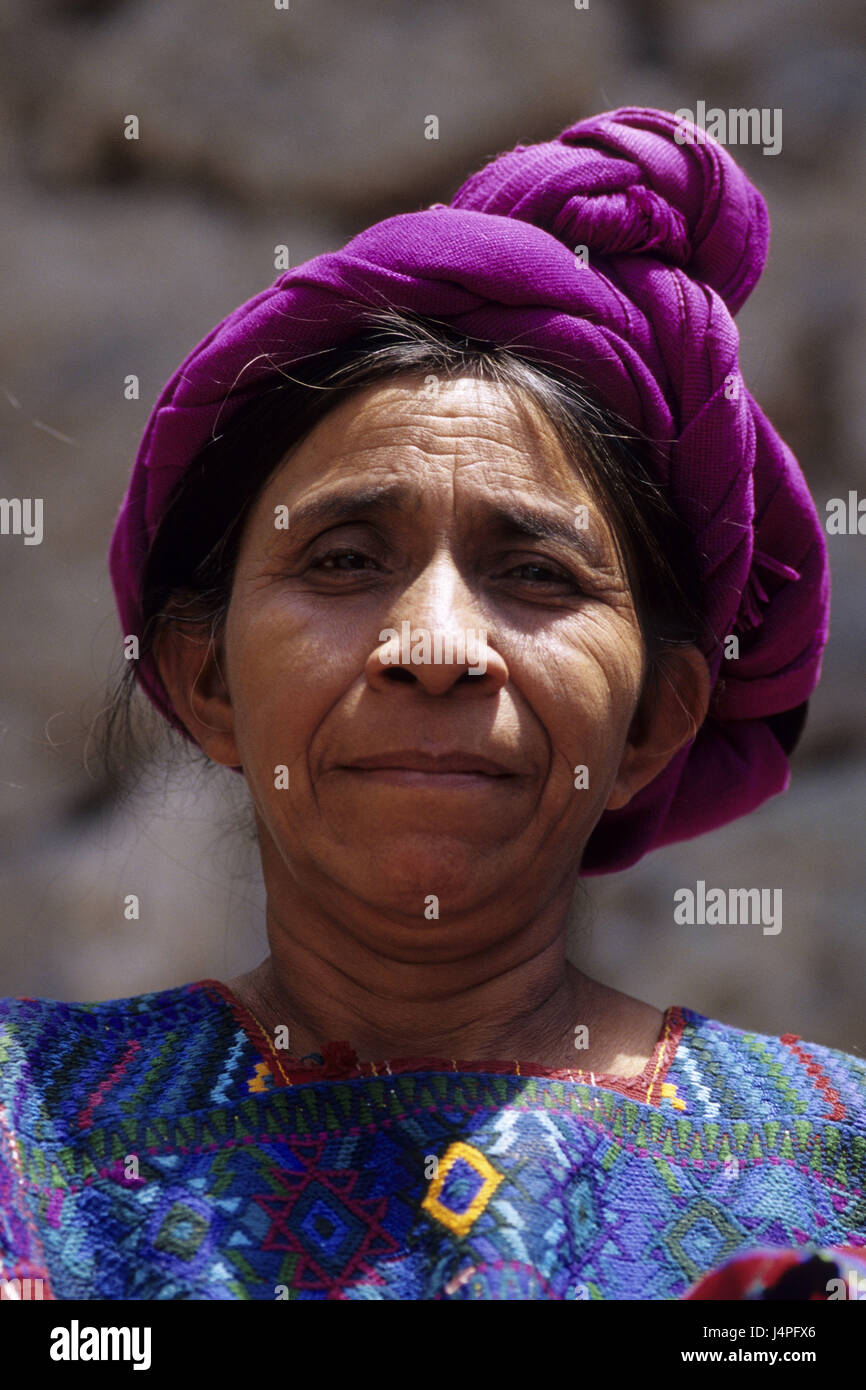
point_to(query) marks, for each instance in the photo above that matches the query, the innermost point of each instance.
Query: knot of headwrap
(634, 220)
(676, 237)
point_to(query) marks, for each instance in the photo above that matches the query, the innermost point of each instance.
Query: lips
(412, 760)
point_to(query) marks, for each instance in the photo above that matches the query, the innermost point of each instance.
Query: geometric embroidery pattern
(321, 1218)
(462, 1188)
(150, 1148)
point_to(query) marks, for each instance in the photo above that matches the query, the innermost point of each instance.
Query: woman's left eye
(557, 576)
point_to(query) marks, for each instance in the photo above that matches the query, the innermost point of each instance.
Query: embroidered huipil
(160, 1148)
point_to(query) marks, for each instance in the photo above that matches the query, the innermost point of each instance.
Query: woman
(439, 543)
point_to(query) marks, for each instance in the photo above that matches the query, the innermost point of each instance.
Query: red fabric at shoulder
(805, 1275)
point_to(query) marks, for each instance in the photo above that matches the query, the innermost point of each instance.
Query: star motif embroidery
(335, 1233)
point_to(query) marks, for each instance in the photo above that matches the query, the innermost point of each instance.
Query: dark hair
(192, 559)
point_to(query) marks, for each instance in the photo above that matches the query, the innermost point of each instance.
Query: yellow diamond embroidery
(460, 1221)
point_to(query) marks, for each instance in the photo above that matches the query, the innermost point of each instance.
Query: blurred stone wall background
(262, 126)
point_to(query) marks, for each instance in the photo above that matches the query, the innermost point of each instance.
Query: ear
(672, 708)
(189, 660)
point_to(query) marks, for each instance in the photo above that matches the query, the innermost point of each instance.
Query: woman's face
(433, 497)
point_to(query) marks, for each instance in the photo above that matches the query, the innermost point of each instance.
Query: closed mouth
(442, 764)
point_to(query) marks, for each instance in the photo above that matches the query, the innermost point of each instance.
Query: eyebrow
(512, 518)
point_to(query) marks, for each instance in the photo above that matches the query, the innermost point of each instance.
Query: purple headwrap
(676, 237)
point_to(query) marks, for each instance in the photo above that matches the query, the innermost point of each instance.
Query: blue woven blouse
(160, 1148)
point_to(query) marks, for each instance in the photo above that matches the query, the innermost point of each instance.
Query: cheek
(592, 687)
(599, 659)
(283, 672)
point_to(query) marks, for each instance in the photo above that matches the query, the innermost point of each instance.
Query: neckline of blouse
(340, 1061)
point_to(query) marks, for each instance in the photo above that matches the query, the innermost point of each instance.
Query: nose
(434, 637)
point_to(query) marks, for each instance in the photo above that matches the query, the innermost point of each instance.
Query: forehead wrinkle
(491, 420)
(492, 405)
(520, 432)
(462, 444)
(467, 450)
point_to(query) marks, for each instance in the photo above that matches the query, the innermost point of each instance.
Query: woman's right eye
(339, 555)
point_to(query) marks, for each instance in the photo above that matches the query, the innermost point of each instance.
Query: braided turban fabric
(676, 239)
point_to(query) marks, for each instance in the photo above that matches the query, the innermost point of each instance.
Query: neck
(519, 998)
